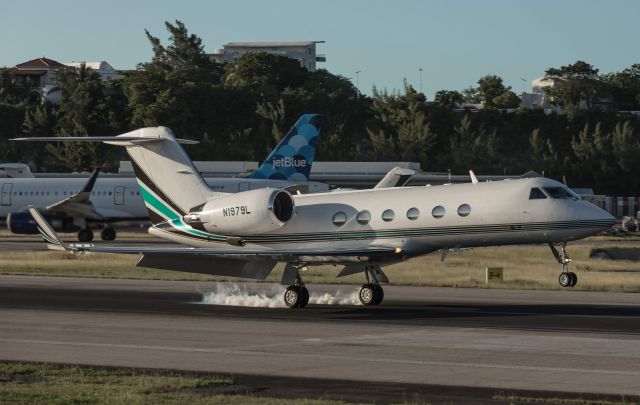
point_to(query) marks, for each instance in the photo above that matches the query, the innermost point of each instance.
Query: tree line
(239, 111)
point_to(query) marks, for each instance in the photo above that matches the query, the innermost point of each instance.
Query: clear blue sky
(454, 42)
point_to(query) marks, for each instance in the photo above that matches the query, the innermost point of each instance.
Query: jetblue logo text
(289, 161)
(238, 210)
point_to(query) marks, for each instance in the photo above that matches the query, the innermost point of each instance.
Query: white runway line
(270, 296)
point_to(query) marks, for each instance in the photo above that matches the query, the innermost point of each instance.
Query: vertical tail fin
(168, 180)
(293, 157)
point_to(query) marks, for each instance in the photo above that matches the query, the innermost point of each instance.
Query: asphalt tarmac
(476, 342)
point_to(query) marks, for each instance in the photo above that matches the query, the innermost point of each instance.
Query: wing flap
(217, 266)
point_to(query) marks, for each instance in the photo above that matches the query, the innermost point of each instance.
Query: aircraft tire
(367, 294)
(108, 234)
(304, 299)
(564, 279)
(379, 294)
(85, 235)
(293, 296)
(574, 279)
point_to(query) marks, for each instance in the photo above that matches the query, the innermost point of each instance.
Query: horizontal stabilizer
(107, 139)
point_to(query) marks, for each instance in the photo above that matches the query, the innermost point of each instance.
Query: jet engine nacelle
(23, 223)
(245, 213)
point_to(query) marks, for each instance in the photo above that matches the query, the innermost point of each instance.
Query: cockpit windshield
(536, 194)
(560, 192)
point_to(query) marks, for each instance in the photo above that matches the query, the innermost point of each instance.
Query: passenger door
(6, 194)
(119, 195)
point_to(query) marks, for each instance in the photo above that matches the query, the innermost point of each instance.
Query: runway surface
(531, 340)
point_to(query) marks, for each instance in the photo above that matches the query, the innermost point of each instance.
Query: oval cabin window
(438, 212)
(339, 218)
(413, 213)
(388, 215)
(363, 217)
(464, 210)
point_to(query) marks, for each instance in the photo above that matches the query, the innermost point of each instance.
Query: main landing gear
(567, 278)
(108, 233)
(372, 293)
(296, 295)
(85, 235)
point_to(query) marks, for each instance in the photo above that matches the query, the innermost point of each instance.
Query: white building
(40, 73)
(538, 97)
(302, 51)
(102, 68)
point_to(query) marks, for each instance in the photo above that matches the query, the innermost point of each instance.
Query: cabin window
(388, 215)
(339, 218)
(438, 211)
(413, 213)
(536, 194)
(464, 210)
(363, 217)
(558, 192)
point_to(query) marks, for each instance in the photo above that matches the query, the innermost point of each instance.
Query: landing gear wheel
(85, 235)
(371, 294)
(108, 234)
(565, 279)
(574, 279)
(304, 299)
(379, 293)
(293, 296)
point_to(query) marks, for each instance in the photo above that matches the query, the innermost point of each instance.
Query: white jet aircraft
(247, 233)
(71, 203)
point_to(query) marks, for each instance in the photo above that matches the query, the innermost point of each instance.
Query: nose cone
(599, 217)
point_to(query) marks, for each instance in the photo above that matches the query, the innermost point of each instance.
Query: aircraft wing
(397, 177)
(275, 254)
(78, 204)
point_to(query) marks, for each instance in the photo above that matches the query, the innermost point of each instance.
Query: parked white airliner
(246, 234)
(70, 203)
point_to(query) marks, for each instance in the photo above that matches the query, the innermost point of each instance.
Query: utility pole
(524, 81)
(358, 83)
(420, 75)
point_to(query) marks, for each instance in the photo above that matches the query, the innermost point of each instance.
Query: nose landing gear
(567, 278)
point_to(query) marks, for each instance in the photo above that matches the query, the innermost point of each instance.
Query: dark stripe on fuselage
(142, 176)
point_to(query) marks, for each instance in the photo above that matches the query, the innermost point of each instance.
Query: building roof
(270, 44)
(40, 62)
(99, 65)
(30, 72)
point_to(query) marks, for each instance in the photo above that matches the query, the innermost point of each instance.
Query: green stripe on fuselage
(174, 218)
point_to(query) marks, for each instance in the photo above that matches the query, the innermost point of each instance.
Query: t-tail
(293, 157)
(169, 182)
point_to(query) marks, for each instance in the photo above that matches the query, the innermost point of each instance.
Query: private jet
(247, 233)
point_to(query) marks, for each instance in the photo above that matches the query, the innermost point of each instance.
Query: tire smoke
(270, 296)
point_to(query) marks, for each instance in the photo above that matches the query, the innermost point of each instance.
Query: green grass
(528, 267)
(41, 383)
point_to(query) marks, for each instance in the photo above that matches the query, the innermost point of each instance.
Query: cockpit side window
(558, 192)
(536, 194)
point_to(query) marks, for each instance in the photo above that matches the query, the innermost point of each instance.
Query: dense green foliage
(239, 111)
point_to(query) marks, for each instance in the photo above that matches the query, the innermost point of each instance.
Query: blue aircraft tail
(293, 157)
